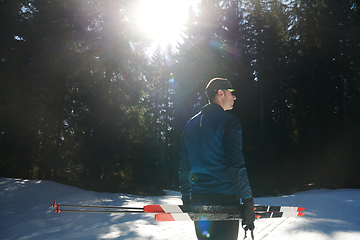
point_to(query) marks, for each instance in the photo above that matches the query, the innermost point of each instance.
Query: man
(212, 168)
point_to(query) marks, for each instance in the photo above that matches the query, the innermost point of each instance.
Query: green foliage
(81, 101)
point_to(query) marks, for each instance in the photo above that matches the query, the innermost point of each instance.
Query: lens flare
(204, 225)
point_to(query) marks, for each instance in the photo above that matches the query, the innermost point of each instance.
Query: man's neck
(218, 102)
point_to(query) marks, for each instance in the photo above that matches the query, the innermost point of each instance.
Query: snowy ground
(25, 213)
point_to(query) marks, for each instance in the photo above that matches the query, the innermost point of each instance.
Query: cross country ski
(220, 216)
(187, 212)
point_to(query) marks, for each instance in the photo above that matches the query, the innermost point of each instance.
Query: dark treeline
(82, 103)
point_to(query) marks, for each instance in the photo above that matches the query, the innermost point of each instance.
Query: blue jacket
(211, 159)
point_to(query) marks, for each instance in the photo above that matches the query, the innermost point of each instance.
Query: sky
(26, 214)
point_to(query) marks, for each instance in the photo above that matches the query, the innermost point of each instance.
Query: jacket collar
(211, 106)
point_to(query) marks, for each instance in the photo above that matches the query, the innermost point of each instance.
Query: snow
(25, 213)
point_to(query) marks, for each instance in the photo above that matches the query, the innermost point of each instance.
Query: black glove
(249, 214)
(186, 199)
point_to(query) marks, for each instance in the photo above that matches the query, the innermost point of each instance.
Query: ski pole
(107, 207)
(58, 210)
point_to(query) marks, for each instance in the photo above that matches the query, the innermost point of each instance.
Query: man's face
(228, 101)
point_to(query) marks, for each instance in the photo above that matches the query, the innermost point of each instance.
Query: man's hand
(249, 214)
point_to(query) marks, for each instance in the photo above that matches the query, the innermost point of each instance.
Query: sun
(163, 20)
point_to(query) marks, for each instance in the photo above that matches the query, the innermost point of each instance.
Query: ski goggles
(227, 89)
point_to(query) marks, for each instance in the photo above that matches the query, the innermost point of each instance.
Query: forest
(83, 102)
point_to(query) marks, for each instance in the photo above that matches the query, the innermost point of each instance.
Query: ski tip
(54, 204)
(299, 209)
(164, 217)
(300, 214)
(153, 209)
(57, 210)
(257, 216)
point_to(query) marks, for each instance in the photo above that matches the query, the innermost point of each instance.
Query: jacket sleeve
(184, 170)
(232, 143)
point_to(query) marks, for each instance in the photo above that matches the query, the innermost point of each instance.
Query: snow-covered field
(25, 213)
